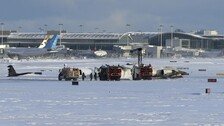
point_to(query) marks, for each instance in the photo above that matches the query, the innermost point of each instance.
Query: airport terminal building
(76, 41)
(106, 41)
(188, 40)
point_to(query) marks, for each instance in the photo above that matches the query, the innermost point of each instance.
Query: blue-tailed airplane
(48, 45)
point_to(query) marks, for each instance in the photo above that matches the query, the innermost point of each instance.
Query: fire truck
(108, 72)
(68, 73)
(141, 71)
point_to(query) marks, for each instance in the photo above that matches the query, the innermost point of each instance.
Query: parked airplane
(45, 47)
(12, 72)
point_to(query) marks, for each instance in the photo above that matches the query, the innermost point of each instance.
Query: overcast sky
(112, 15)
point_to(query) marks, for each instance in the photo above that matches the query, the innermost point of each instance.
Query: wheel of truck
(136, 78)
(147, 78)
(60, 77)
(117, 79)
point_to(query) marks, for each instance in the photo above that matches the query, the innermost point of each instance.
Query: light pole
(128, 30)
(81, 27)
(128, 27)
(45, 28)
(158, 32)
(2, 24)
(60, 26)
(161, 32)
(171, 36)
(19, 29)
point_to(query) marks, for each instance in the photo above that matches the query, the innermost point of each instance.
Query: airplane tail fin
(52, 42)
(11, 71)
(44, 42)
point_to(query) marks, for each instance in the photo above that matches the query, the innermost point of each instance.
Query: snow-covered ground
(42, 100)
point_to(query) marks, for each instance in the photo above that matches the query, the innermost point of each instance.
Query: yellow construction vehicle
(68, 73)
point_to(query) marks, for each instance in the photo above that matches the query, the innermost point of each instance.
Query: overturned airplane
(168, 73)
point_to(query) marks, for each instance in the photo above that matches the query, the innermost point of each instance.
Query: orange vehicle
(142, 72)
(146, 72)
(110, 72)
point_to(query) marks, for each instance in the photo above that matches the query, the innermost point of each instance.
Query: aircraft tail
(44, 42)
(52, 42)
(11, 71)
